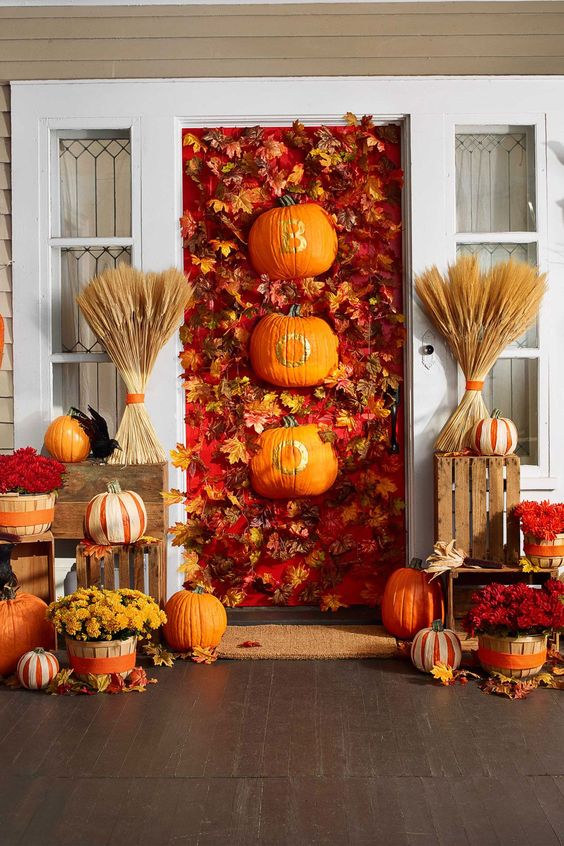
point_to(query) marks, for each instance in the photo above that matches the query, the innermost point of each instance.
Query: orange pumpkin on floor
(293, 241)
(66, 440)
(22, 625)
(293, 351)
(411, 601)
(293, 461)
(194, 618)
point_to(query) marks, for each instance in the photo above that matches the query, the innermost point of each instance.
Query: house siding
(120, 42)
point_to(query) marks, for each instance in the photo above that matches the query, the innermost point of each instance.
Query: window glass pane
(494, 181)
(512, 386)
(95, 187)
(490, 254)
(78, 266)
(95, 384)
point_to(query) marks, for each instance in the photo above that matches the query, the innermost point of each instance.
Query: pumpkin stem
(286, 200)
(437, 626)
(114, 487)
(416, 564)
(198, 589)
(294, 310)
(289, 421)
(496, 414)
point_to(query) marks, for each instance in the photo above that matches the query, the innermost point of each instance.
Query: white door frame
(159, 108)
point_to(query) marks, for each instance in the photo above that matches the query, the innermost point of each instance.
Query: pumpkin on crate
(293, 461)
(436, 644)
(115, 516)
(66, 440)
(293, 351)
(293, 241)
(495, 435)
(411, 601)
(194, 618)
(37, 668)
(23, 625)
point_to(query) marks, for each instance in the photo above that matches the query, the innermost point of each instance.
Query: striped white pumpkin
(494, 435)
(115, 517)
(37, 668)
(436, 644)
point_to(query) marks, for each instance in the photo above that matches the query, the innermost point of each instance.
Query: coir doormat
(310, 642)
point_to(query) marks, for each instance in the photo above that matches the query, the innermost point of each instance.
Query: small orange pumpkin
(23, 626)
(293, 241)
(293, 461)
(116, 516)
(37, 668)
(194, 618)
(66, 440)
(293, 351)
(494, 435)
(411, 602)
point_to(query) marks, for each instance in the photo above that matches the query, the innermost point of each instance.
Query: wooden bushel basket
(516, 657)
(25, 515)
(98, 657)
(546, 554)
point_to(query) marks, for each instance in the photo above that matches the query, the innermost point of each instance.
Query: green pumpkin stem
(415, 564)
(289, 421)
(286, 200)
(114, 487)
(198, 589)
(294, 310)
(496, 414)
(437, 626)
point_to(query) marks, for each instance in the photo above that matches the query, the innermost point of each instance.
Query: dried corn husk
(445, 557)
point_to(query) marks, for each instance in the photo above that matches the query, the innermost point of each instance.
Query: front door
(268, 522)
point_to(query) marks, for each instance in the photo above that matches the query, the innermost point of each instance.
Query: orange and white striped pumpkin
(435, 644)
(494, 435)
(115, 517)
(37, 668)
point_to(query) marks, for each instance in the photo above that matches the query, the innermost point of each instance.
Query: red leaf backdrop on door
(336, 549)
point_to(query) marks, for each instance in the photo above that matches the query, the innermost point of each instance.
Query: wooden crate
(139, 566)
(474, 500)
(33, 562)
(85, 479)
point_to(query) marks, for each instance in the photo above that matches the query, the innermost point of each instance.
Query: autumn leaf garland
(332, 550)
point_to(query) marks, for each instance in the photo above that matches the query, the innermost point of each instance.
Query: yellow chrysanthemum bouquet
(96, 614)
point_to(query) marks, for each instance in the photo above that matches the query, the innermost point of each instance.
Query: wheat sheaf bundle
(478, 314)
(134, 314)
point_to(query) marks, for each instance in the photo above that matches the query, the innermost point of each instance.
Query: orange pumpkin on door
(293, 461)
(293, 351)
(411, 601)
(293, 241)
(66, 440)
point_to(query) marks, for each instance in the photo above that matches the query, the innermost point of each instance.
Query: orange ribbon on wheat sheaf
(547, 551)
(511, 662)
(474, 385)
(131, 399)
(27, 518)
(113, 664)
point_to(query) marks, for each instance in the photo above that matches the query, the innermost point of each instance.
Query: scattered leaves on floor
(248, 644)
(160, 654)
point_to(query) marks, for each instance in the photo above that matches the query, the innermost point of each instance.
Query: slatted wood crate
(33, 562)
(139, 566)
(474, 500)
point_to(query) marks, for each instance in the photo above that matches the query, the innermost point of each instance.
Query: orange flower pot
(99, 657)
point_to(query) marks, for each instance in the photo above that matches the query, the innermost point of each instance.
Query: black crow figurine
(7, 575)
(101, 445)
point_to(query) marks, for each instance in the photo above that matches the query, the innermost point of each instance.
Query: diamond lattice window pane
(78, 266)
(490, 254)
(95, 187)
(494, 182)
(512, 386)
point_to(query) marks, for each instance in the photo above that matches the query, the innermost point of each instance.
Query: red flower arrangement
(26, 472)
(544, 520)
(516, 610)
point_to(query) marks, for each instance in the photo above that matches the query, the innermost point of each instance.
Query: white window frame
(157, 109)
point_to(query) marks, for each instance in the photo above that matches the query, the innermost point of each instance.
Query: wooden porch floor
(280, 753)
